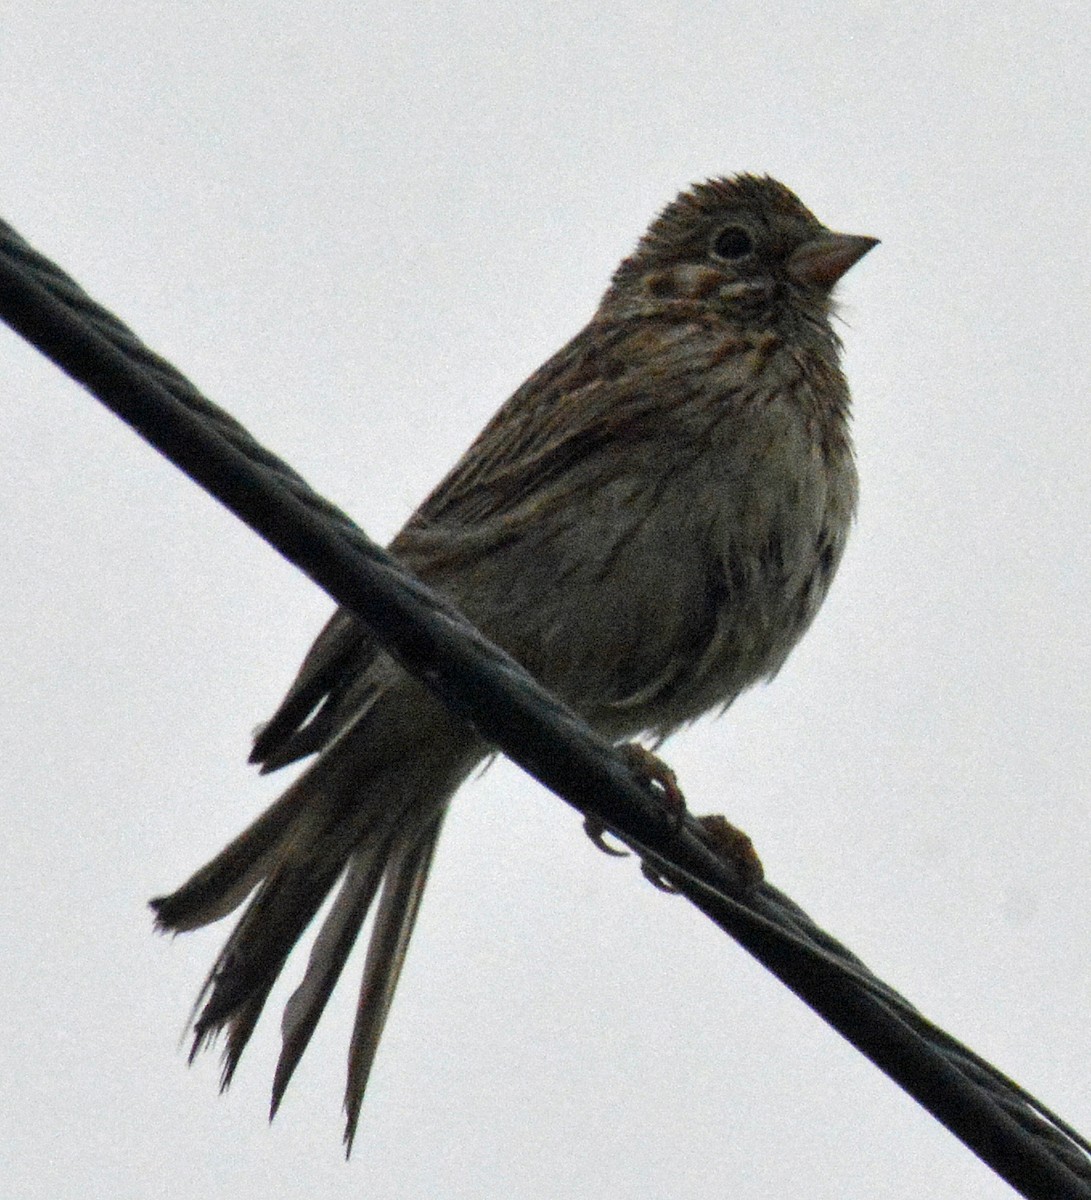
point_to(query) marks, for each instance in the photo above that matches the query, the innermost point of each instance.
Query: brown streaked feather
(575, 407)
(565, 411)
(576, 404)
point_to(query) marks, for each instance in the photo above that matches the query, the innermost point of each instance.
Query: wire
(1040, 1155)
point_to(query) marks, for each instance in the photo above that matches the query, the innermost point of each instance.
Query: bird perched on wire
(648, 525)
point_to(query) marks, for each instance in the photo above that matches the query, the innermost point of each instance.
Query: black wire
(1035, 1151)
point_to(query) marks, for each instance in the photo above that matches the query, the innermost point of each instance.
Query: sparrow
(648, 525)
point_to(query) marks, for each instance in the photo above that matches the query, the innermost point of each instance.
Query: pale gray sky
(359, 229)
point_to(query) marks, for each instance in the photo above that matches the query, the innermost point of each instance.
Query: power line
(1034, 1150)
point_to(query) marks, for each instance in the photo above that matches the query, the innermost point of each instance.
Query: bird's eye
(733, 242)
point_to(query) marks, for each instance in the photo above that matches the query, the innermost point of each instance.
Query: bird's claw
(649, 768)
(595, 830)
(652, 771)
(656, 879)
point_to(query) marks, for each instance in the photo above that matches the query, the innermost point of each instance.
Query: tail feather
(328, 956)
(254, 954)
(358, 814)
(406, 875)
(239, 1028)
(222, 884)
(284, 905)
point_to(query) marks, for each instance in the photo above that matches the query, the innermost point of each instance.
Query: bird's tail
(368, 819)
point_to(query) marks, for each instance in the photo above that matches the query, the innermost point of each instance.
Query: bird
(648, 525)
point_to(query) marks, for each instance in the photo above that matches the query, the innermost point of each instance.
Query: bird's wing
(579, 401)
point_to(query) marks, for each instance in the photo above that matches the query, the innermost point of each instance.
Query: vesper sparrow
(648, 525)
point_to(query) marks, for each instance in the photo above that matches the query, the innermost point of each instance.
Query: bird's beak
(824, 259)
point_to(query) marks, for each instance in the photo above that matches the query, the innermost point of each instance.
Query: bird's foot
(734, 847)
(649, 770)
(728, 842)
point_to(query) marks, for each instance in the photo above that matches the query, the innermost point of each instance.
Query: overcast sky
(359, 230)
